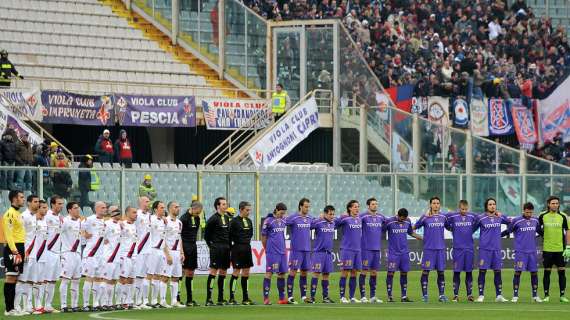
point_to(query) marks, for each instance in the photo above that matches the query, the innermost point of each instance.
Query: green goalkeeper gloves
(566, 253)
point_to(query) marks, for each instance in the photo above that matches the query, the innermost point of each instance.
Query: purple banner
(156, 111)
(71, 108)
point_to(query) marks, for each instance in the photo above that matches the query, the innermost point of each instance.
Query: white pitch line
(430, 308)
(100, 315)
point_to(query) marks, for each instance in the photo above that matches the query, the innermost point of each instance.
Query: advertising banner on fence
(500, 120)
(479, 118)
(293, 128)
(554, 114)
(415, 255)
(524, 126)
(8, 119)
(71, 108)
(156, 111)
(24, 103)
(231, 114)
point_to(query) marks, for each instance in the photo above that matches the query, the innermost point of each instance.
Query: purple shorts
(526, 261)
(276, 263)
(433, 259)
(322, 262)
(350, 260)
(399, 262)
(490, 259)
(462, 260)
(300, 260)
(371, 260)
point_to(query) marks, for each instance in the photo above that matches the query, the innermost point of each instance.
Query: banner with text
(24, 103)
(10, 120)
(71, 108)
(231, 114)
(293, 128)
(156, 111)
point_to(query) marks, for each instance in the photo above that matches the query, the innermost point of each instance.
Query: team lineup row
(128, 261)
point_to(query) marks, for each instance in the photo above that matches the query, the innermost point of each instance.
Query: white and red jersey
(71, 235)
(37, 247)
(128, 240)
(157, 232)
(54, 222)
(142, 225)
(173, 230)
(96, 228)
(29, 226)
(112, 240)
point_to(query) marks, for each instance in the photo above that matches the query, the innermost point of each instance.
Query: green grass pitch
(418, 310)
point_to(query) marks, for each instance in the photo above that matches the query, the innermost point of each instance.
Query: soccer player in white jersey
(110, 264)
(159, 255)
(127, 256)
(54, 220)
(142, 281)
(36, 257)
(70, 257)
(24, 285)
(92, 230)
(174, 244)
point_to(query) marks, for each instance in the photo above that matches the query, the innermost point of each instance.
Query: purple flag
(71, 108)
(156, 111)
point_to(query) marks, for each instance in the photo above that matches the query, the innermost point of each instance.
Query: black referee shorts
(219, 256)
(190, 255)
(241, 256)
(552, 259)
(11, 268)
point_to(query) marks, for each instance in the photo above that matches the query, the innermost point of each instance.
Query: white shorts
(90, 266)
(35, 270)
(127, 268)
(52, 271)
(175, 269)
(155, 262)
(24, 276)
(140, 265)
(70, 265)
(110, 270)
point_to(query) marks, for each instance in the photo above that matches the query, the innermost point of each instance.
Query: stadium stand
(88, 41)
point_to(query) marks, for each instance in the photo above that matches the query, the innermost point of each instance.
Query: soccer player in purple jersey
(489, 225)
(461, 224)
(525, 229)
(299, 225)
(398, 228)
(372, 222)
(322, 260)
(350, 255)
(273, 240)
(433, 248)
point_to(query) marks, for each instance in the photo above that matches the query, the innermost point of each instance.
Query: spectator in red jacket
(123, 150)
(104, 147)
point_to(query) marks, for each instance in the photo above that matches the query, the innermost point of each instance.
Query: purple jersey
(274, 230)
(434, 228)
(490, 231)
(300, 227)
(351, 232)
(462, 228)
(324, 235)
(397, 235)
(524, 231)
(371, 230)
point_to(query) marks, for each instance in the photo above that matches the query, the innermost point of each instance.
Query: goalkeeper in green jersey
(556, 245)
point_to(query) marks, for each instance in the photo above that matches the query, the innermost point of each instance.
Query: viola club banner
(500, 121)
(24, 103)
(71, 108)
(524, 125)
(156, 111)
(293, 128)
(460, 113)
(231, 114)
(10, 120)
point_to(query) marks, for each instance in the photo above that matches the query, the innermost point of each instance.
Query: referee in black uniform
(217, 236)
(190, 227)
(241, 232)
